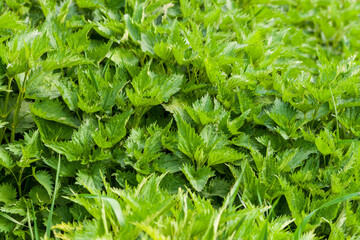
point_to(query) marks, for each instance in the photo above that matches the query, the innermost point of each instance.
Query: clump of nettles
(179, 119)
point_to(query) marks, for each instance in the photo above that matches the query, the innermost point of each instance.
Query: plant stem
(7, 98)
(20, 181)
(18, 106)
(49, 223)
(16, 115)
(4, 110)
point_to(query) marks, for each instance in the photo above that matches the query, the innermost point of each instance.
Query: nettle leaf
(44, 178)
(54, 111)
(133, 29)
(163, 50)
(6, 225)
(90, 4)
(68, 91)
(235, 124)
(197, 178)
(350, 119)
(325, 142)
(5, 159)
(112, 131)
(47, 7)
(31, 148)
(224, 155)
(91, 179)
(81, 144)
(168, 163)
(287, 118)
(98, 91)
(11, 20)
(98, 50)
(150, 89)
(39, 195)
(40, 85)
(293, 158)
(39, 46)
(17, 207)
(206, 110)
(7, 193)
(52, 131)
(188, 140)
(144, 147)
(217, 187)
(59, 60)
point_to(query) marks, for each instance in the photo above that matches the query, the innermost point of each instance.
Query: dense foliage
(188, 119)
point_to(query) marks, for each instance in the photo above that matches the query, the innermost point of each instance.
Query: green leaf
(47, 6)
(91, 179)
(151, 89)
(206, 110)
(54, 111)
(224, 155)
(7, 193)
(325, 142)
(188, 140)
(112, 131)
(301, 227)
(40, 85)
(133, 29)
(89, 3)
(44, 178)
(5, 159)
(68, 91)
(52, 131)
(115, 206)
(59, 60)
(11, 20)
(197, 178)
(80, 146)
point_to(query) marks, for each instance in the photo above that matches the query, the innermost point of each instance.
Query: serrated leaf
(79, 148)
(54, 111)
(197, 178)
(7, 193)
(224, 155)
(112, 131)
(325, 142)
(133, 29)
(5, 159)
(11, 20)
(52, 131)
(44, 178)
(151, 89)
(63, 60)
(68, 92)
(188, 140)
(91, 179)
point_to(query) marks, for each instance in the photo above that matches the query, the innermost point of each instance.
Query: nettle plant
(179, 119)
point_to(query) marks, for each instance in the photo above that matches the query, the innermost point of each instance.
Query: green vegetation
(190, 119)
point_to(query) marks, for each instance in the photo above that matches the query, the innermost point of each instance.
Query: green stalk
(35, 224)
(29, 222)
(7, 98)
(16, 115)
(4, 110)
(48, 226)
(20, 181)
(2, 134)
(18, 106)
(336, 116)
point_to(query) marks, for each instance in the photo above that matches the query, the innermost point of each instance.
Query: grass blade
(49, 223)
(301, 227)
(113, 203)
